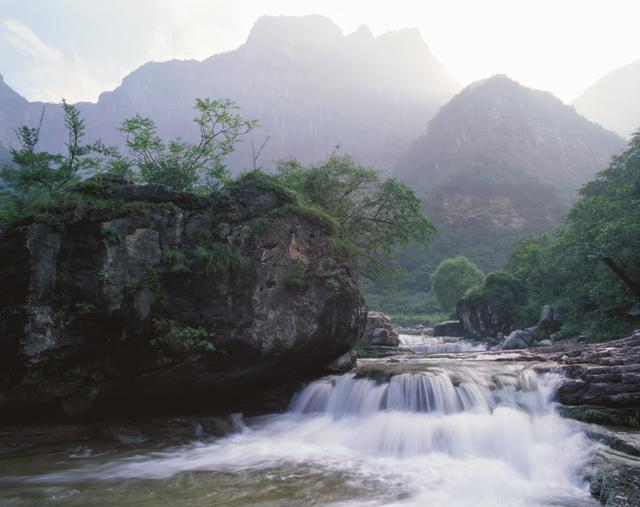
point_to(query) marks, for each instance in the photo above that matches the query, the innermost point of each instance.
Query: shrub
(452, 279)
(181, 338)
(297, 277)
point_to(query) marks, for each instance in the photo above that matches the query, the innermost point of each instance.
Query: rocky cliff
(132, 299)
(311, 87)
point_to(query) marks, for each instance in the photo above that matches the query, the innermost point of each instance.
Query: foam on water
(436, 344)
(450, 435)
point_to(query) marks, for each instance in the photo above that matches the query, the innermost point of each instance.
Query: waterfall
(439, 390)
(431, 344)
(453, 433)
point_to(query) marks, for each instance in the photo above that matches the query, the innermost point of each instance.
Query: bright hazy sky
(78, 48)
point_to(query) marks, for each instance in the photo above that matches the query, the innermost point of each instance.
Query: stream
(432, 426)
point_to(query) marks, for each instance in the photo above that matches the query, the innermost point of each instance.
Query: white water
(484, 435)
(431, 344)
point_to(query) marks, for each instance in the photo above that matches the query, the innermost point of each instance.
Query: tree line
(371, 216)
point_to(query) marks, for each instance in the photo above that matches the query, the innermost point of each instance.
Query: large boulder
(448, 328)
(518, 339)
(163, 300)
(492, 308)
(550, 319)
(379, 331)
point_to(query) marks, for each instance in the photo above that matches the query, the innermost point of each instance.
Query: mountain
(310, 86)
(500, 161)
(614, 100)
(5, 156)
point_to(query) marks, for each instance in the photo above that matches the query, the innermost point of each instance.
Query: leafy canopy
(181, 165)
(35, 173)
(452, 279)
(373, 216)
(566, 268)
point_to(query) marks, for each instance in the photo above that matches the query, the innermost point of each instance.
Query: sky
(78, 48)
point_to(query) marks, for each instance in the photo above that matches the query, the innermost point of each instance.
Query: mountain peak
(405, 38)
(495, 81)
(363, 32)
(307, 33)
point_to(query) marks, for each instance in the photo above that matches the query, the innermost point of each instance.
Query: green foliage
(606, 418)
(177, 259)
(504, 293)
(298, 275)
(111, 234)
(104, 277)
(36, 173)
(180, 165)
(411, 319)
(220, 259)
(565, 269)
(370, 217)
(181, 338)
(452, 279)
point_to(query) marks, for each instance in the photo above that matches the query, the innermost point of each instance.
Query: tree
(35, 173)
(590, 267)
(180, 165)
(452, 279)
(373, 217)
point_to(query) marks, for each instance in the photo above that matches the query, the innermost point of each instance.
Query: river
(418, 429)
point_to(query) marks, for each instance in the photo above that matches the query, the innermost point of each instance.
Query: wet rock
(550, 319)
(168, 301)
(344, 363)
(599, 376)
(492, 308)
(517, 340)
(128, 432)
(615, 478)
(448, 328)
(379, 331)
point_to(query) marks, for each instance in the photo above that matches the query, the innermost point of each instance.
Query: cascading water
(454, 433)
(431, 344)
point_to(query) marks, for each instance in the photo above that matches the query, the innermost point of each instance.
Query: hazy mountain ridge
(500, 161)
(310, 86)
(501, 124)
(614, 100)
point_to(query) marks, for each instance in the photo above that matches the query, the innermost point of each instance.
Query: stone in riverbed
(518, 339)
(448, 328)
(379, 331)
(344, 363)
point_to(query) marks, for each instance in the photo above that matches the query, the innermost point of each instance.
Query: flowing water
(415, 430)
(434, 344)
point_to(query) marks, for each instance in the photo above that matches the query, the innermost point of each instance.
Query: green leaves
(452, 279)
(566, 268)
(373, 217)
(184, 166)
(36, 173)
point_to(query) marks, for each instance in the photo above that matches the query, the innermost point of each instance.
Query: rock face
(380, 331)
(602, 375)
(168, 300)
(448, 328)
(492, 308)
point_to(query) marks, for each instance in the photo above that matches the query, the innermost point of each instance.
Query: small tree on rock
(181, 165)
